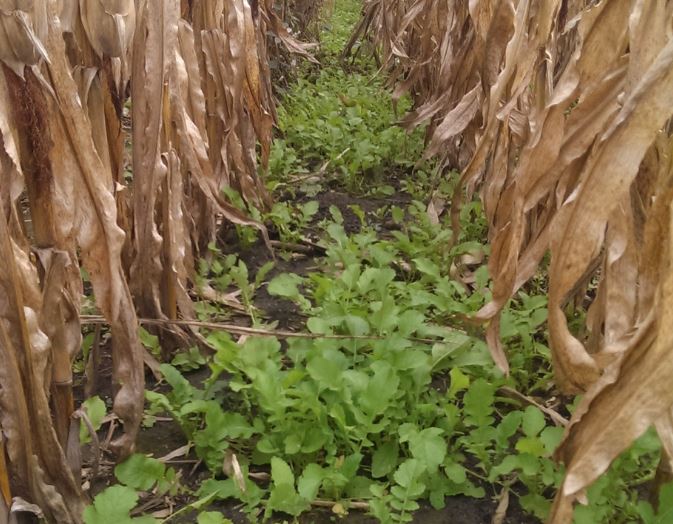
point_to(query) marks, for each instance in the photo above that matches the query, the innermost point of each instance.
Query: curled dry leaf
(202, 100)
(109, 24)
(64, 198)
(37, 463)
(23, 26)
(559, 113)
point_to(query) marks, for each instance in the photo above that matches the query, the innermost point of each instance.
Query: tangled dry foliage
(301, 15)
(558, 111)
(201, 92)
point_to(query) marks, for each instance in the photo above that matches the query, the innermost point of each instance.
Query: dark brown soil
(344, 202)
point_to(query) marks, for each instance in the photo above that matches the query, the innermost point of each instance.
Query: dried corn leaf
(23, 27)
(634, 392)
(97, 234)
(36, 459)
(567, 152)
(154, 52)
(201, 103)
(109, 24)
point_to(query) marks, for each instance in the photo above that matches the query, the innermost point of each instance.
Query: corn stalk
(72, 199)
(558, 113)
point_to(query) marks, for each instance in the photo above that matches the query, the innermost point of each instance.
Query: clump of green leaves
(338, 26)
(346, 123)
(615, 496)
(290, 219)
(359, 418)
(341, 123)
(95, 410)
(229, 273)
(664, 513)
(139, 475)
(113, 506)
(405, 410)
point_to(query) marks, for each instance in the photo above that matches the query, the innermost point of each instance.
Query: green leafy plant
(355, 418)
(95, 410)
(401, 408)
(113, 506)
(189, 360)
(139, 474)
(228, 274)
(241, 278)
(340, 124)
(290, 220)
(664, 513)
(144, 473)
(150, 341)
(328, 125)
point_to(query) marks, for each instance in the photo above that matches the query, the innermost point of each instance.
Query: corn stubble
(201, 91)
(558, 112)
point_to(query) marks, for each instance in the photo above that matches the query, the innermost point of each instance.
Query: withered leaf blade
(571, 150)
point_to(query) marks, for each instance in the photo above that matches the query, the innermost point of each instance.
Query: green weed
(409, 413)
(138, 474)
(340, 125)
(401, 410)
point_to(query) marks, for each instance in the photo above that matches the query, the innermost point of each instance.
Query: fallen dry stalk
(349, 504)
(512, 393)
(242, 330)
